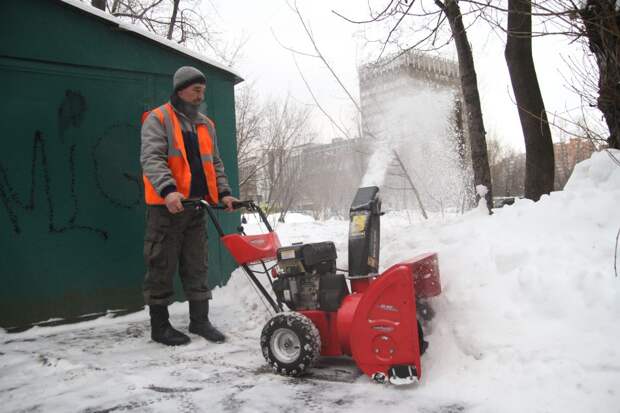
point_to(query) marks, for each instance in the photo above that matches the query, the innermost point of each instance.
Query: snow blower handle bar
(249, 205)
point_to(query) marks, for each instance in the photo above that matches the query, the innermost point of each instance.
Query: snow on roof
(154, 37)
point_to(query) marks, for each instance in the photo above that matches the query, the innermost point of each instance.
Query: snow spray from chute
(378, 165)
(415, 122)
(386, 135)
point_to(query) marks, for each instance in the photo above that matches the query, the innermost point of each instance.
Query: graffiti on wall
(111, 168)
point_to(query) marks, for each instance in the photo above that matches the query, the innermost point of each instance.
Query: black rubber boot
(161, 330)
(199, 322)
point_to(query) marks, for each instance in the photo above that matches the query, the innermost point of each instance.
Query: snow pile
(528, 317)
(527, 322)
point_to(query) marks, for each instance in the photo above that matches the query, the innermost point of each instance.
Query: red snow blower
(376, 322)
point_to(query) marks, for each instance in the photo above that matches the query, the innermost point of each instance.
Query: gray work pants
(172, 240)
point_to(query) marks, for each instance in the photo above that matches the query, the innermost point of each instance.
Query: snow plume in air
(416, 122)
(378, 164)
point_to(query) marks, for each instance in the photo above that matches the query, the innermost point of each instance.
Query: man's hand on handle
(227, 201)
(173, 202)
(175, 205)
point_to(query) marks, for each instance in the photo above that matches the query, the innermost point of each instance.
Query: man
(180, 161)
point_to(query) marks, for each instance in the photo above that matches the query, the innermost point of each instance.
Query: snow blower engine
(372, 317)
(307, 279)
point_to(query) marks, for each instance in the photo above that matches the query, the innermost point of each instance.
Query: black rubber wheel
(291, 343)
(423, 345)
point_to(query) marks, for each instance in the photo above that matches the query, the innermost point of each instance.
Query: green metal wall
(71, 200)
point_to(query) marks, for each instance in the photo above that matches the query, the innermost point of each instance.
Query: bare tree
(286, 130)
(597, 22)
(271, 142)
(471, 96)
(173, 18)
(496, 149)
(539, 160)
(181, 21)
(507, 168)
(601, 26)
(250, 125)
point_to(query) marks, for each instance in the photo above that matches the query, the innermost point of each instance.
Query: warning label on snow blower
(357, 229)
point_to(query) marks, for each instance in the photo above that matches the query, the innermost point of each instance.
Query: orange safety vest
(177, 157)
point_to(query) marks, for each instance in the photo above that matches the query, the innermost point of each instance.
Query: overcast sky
(272, 69)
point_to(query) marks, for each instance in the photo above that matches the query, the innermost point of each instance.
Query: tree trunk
(539, 162)
(100, 4)
(115, 6)
(601, 20)
(469, 84)
(173, 19)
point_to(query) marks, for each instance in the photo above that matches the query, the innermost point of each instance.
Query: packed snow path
(115, 367)
(527, 322)
(111, 365)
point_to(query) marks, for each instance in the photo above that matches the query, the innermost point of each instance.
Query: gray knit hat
(187, 76)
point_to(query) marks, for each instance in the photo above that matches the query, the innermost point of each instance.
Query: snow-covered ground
(527, 322)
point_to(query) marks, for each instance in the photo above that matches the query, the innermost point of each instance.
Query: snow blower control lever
(249, 205)
(375, 322)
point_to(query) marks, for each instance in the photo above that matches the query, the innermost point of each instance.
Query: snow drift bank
(527, 322)
(529, 316)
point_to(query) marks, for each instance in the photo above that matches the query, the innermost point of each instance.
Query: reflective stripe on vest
(177, 158)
